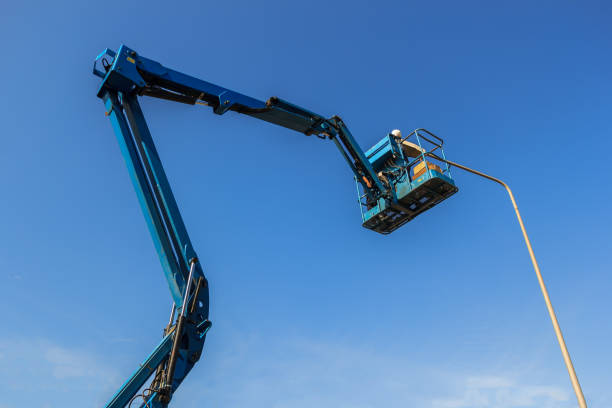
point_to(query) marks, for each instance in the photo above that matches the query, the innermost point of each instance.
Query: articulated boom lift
(395, 183)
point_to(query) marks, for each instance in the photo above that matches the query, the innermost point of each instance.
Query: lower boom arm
(184, 337)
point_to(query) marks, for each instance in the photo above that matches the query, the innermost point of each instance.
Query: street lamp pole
(551, 311)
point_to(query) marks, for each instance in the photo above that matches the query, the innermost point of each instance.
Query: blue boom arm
(126, 75)
(128, 72)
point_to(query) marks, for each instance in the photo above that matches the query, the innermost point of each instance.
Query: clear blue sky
(309, 308)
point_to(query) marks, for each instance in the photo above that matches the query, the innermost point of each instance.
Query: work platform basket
(416, 181)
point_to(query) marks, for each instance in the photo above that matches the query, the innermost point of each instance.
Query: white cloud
(503, 392)
(257, 372)
(488, 382)
(70, 363)
(298, 373)
(38, 372)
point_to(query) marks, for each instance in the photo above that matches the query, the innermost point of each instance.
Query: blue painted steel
(144, 193)
(404, 188)
(166, 199)
(359, 156)
(102, 56)
(122, 76)
(142, 374)
(382, 151)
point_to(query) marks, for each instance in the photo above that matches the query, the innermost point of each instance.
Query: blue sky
(310, 309)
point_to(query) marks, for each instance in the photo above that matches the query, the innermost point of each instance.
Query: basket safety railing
(420, 134)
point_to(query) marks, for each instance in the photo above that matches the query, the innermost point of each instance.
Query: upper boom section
(127, 72)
